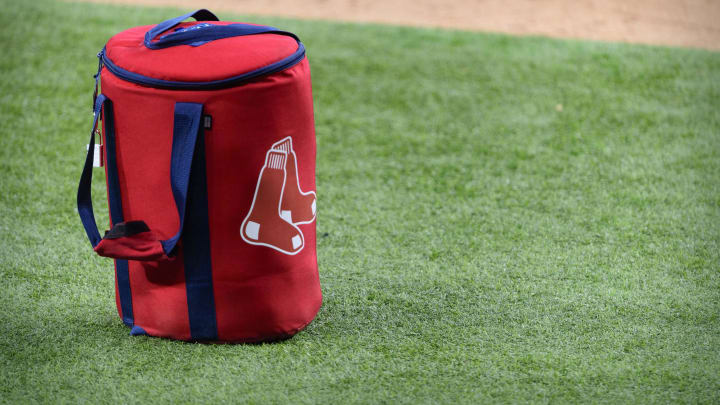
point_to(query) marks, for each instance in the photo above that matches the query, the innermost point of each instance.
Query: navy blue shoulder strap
(186, 129)
(84, 197)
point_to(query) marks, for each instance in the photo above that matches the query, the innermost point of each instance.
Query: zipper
(96, 76)
(142, 80)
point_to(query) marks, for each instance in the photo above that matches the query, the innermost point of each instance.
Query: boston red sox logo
(279, 205)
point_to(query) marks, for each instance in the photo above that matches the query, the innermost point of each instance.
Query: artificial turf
(501, 220)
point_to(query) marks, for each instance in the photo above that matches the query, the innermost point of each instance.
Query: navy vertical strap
(186, 126)
(122, 270)
(104, 106)
(196, 235)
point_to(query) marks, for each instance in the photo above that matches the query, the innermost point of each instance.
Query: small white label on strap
(97, 155)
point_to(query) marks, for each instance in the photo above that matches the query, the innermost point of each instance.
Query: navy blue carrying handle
(186, 129)
(200, 34)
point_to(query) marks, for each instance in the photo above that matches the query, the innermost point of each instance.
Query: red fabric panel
(159, 298)
(143, 130)
(260, 293)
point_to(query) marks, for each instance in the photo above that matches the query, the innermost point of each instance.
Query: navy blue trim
(137, 331)
(96, 76)
(142, 80)
(122, 271)
(196, 240)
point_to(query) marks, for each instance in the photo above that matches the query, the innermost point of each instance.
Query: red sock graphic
(297, 207)
(263, 225)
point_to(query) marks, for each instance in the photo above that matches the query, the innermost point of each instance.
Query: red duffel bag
(209, 155)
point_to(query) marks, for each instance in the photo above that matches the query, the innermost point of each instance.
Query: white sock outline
(252, 206)
(297, 177)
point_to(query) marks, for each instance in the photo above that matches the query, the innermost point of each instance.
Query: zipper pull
(96, 76)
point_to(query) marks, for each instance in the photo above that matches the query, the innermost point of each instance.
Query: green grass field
(478, 245)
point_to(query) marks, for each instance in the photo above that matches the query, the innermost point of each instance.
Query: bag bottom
(136, 330)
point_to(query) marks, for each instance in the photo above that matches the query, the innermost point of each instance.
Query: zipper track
(142, 80)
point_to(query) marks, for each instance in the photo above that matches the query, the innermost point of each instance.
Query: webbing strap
(202, 33)
(84, 200)
(186, 128)
(185, 134)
